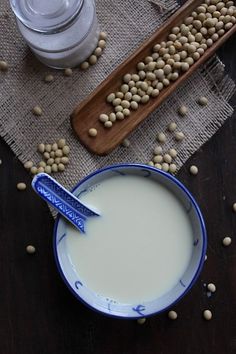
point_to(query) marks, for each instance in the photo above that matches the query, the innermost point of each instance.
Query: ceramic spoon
(62, 200)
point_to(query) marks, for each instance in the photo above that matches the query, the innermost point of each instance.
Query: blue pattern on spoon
(62, 200)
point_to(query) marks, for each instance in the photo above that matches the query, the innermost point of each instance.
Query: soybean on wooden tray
(86, 115)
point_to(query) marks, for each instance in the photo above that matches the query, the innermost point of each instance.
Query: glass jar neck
(46, 16)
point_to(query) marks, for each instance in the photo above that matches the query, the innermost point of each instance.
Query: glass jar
(61, 33)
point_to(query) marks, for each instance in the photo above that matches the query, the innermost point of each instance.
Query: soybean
(172, 126)
(167, 158)
(183, 110)
(172, 315)
(61, 143)
(172, 153)
(102, 43)
(61, 167)
(158, 150)
(28, 165)
(68, 72)
(103, 118)
(179, 136)
(207, 314)
(108, 124)
(211, 287)
(93, 132)
(126, 143)
(3, 65)
(193, 170)
(85, 65)
(141, 321)
(33, 170)
(161, 137)
(30, 249)
(172, 168)
(48, 78)
(65, 150)
(48, 169)
(21, 186)
(226, 241)
(203, 101)
(37, 111)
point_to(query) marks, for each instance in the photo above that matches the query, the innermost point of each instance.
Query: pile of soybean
(185, 45)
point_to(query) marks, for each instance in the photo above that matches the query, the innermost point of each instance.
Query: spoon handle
(62, 200)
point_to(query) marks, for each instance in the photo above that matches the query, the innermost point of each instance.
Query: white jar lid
(46, 16)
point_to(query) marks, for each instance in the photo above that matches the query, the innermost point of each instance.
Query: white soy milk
(139, 247)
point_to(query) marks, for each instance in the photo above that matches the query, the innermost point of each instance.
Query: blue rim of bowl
(197, 210)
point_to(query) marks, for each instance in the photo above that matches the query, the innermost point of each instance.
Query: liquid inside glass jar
(61, 33)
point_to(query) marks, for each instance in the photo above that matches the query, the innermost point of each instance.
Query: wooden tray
(85, 116)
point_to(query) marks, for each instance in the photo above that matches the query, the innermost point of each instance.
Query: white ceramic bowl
(136, 310)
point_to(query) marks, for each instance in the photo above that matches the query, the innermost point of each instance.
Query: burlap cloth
(128, 24)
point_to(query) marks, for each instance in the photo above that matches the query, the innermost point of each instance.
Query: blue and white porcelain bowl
(144, 309)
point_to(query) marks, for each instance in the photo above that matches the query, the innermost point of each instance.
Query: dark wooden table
(38, 315)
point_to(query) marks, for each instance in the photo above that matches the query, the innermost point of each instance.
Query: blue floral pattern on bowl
(110, 306)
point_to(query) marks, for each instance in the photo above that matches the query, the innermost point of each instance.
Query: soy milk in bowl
(143, 253)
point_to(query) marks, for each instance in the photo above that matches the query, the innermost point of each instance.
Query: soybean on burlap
(128, 24)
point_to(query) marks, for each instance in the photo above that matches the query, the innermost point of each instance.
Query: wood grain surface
(38, 315)
(86, 115)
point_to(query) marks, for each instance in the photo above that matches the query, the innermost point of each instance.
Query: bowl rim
(197, 211)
